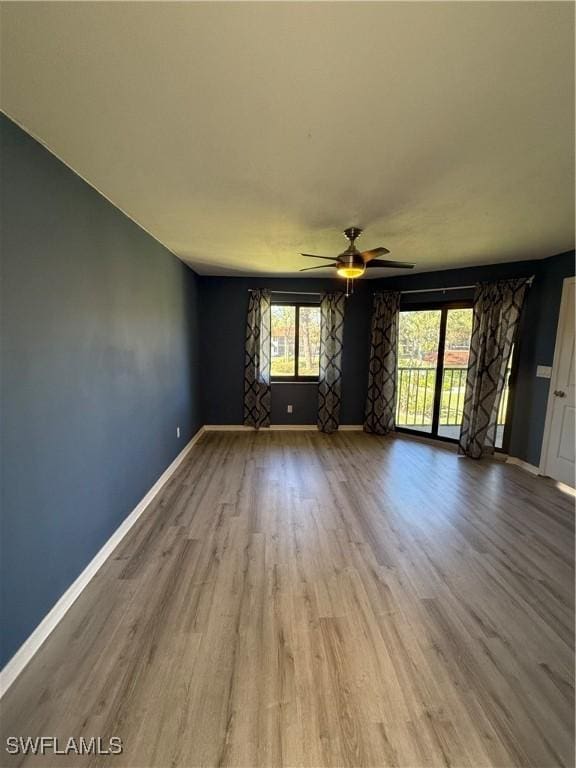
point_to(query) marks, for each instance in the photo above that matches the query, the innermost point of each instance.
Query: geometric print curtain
(496, 315)
(257, 393)
(381, 398)
(330, 379)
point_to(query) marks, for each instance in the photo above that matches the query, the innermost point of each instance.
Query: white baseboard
(278, 428)
(523, 465)
(538, 471)
(27, 650)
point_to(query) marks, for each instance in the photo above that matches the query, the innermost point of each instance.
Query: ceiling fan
(352, 263)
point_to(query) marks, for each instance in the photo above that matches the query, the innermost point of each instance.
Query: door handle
(559, 393)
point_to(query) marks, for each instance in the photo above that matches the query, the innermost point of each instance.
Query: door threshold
(428, 439)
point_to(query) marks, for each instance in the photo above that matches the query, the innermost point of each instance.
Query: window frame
(443, 307)
(296, 377)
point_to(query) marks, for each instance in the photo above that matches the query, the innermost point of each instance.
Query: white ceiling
(240, 134)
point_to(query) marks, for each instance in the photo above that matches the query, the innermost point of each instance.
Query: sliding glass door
(418, 346)
(433, 352)
(456, 351)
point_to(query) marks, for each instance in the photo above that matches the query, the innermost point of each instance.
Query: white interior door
(560, 436)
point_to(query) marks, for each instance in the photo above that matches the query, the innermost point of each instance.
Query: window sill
(275, 383)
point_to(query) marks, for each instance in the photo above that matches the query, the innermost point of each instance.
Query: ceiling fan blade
(384, 264)
(328, 258)
(374, 253)
(322, 266)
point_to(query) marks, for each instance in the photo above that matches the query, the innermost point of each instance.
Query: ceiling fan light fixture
(350, 264)
(350, 272)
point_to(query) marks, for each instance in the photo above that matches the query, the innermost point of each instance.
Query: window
(295, 346)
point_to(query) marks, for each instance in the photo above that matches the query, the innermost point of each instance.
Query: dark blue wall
(99, 366)
(224, 302)
(536, 347)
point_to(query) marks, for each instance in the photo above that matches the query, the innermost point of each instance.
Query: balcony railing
(415, 401)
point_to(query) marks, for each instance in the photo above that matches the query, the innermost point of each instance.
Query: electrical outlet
(288, 409)
(544, 371)
(177, 431)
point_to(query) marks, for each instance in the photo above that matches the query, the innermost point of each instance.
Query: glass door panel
(418, 343)
(455, 364)
(503, 407)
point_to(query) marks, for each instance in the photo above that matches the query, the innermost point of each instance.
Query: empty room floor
(297, 599)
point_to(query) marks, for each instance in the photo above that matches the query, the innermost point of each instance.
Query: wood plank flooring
(297, 599)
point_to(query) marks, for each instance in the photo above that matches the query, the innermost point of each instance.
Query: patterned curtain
(497, 308)
(257, 393)
(381, 399)
(329, 383)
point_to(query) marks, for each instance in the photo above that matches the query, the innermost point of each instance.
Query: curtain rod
(434, 290)
(414, 290)
(443, 290)
(293, 293)
(452, 288)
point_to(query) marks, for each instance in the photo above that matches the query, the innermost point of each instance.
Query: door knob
(559, 393)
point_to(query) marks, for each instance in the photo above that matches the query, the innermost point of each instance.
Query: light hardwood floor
(296, 599)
